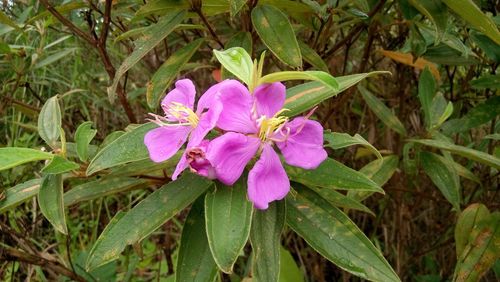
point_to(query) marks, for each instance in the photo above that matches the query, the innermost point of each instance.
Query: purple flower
(180, 122)
(195, 159)
(254, 124)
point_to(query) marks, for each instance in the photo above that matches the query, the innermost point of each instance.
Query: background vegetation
(434, 120)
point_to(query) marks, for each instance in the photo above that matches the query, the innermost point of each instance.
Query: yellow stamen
(269, 125)
(182, 113)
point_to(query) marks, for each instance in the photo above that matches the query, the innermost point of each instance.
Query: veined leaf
(340, 200)
(341, 140)
(14, 156)
(408, 60)
(265, 237)
(237, 61)
(49, 121)
(236, 6)
(320, 76)
(152, 37)
(165, 75)
(101, 188)
(53, 58)
(461, 151)
(195, 262)
(50, 199)
(312, 57)
(333, 174)
(475, 117)
(65, 8)
(276, 32)
(332, 234)
(382, 111)
(305, 96)
(83, 135)
(228, 216)
(467, 221)
(126, 148)
(436, 12)
(59, 165)
(426, 93)
(146, 217)
(19, 193)
(471, 13)
(443, 175)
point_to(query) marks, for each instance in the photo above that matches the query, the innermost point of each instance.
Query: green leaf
(101, 188)
(312, 57)
(62, 9)
(6, 20)
(436, 12)
(49, 121)
(289, 271)
(195, 261)
(341, 140)
(475, 117)
(237, 61)
(467, 221)
(152, 37)
(305, 96)
(333, 174)
(265, 237)
(126, 148)
(486, 81)
(339, 200)
(471, 13)
(14, 156)
(461, 151)
(380, 171)
(443, 175)
(481, 252)
(382, 111)
(50, 199)
(426, 92)
(320, 76)
(489, 47)
(83, 135)
(146, 217)
(165, 75)
(236, 6)
(241, 39)
(277, 34)
(19, 193)
(228, 216)
(332, 234)
(59, 165)
(53, 58)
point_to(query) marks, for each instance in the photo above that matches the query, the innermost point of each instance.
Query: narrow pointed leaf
(50, 199)
(341, 140)
(468, 220)
(152, 37)
(83, 135)
(333, 174)
(305, 96)
(19, 193)
(320, 76)
(49, 121)
(165, 75)
(265, 237)
(436, 12)
(126, 148)
(332, 234)
(59, 165)
(14, 156)
(382, 111)
(144, 218)
(461, 151)
(276, 32)
(312, 57)
(195, 261)
(228, 216)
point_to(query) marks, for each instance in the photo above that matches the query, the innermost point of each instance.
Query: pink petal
(237, 106)
(230, 153)
(206, 123)
(181, 166)
(267, 181)
(269, 98)
(304, 145)
(183, 93)
(195, 159)
(163, 142)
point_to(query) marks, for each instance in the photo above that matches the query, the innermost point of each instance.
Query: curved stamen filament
(270, 125)
(182, 113)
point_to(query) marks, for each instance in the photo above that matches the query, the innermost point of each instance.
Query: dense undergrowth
(433, 121)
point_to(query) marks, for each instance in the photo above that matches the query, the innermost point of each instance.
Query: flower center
(182, 113)
(270, 125)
